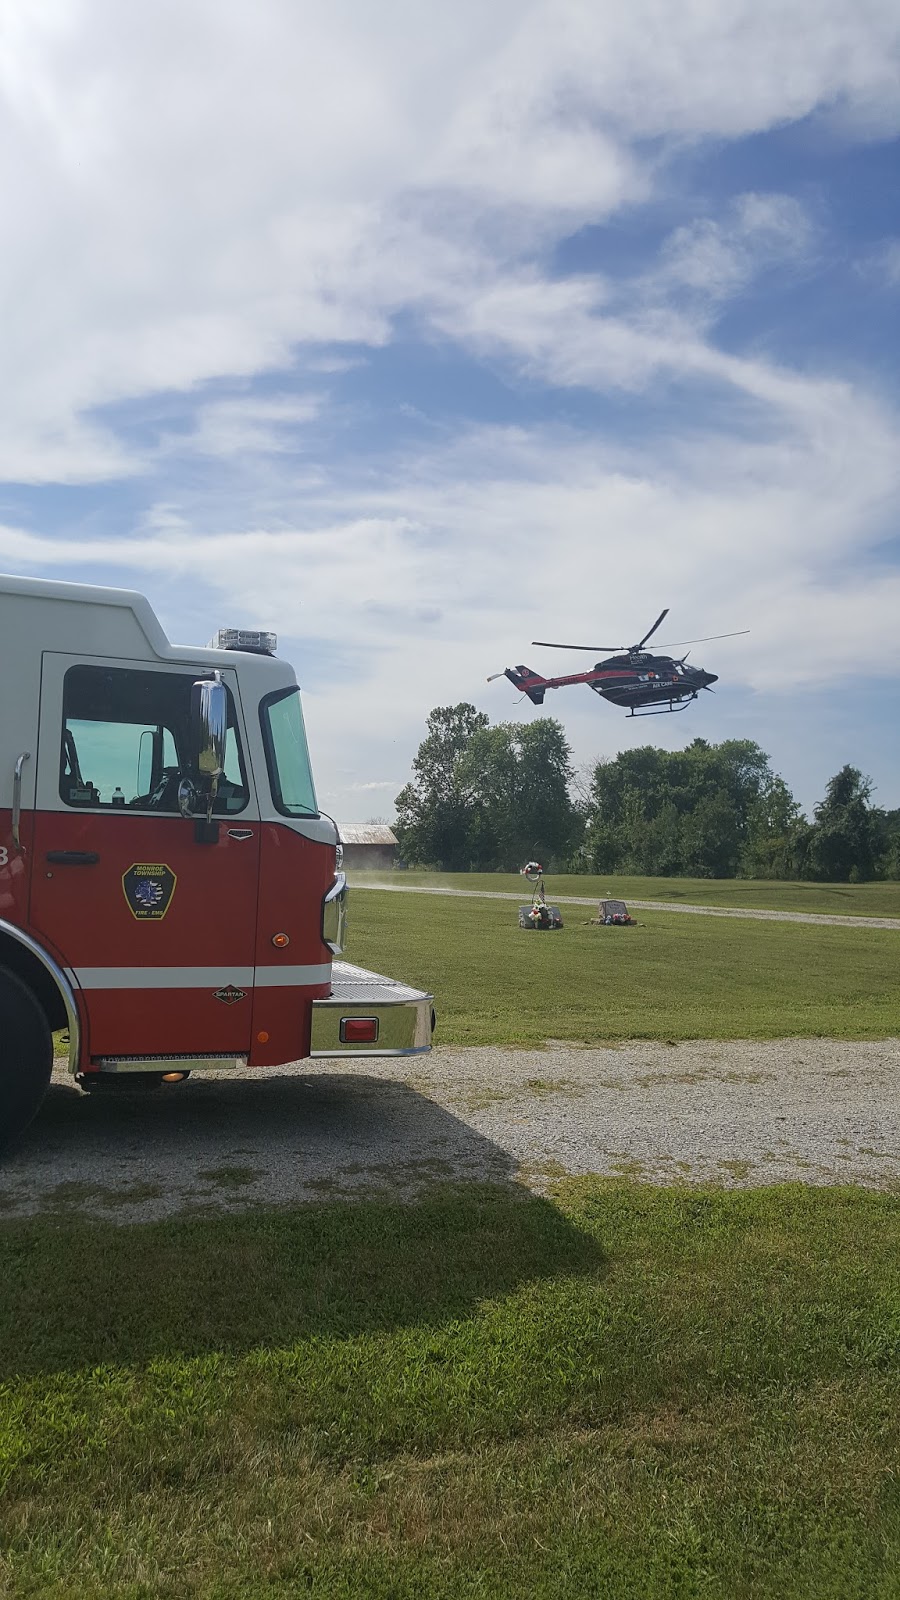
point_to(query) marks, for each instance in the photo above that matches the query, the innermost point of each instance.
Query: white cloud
(574, 333)
(884, 264)
(426, 573)
(193, 189)
(892, 261)
(248, 425)
(719, 258)
(405, 586)
(201, 190)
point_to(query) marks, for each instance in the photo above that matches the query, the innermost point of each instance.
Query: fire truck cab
(170, 893)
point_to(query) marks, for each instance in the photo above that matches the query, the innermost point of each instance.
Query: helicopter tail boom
(530, 682)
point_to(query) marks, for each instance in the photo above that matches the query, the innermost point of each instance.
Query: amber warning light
(359, 1030)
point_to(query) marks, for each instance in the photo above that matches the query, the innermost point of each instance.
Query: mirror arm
(211, 798)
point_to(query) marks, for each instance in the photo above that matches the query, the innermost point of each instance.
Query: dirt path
(737, 1112)
(647, 905)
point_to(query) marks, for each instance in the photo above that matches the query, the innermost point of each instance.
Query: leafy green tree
(693, 812)
(887, 831)
(776, 832)
(488, 797)
(712, 836)
(521, 774)
(844, 839)
(435, 810)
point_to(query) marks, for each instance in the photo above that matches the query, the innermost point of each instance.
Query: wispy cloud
(883, 263)
(227, 215)
(248, 426)
(717, 259)
(317, 171)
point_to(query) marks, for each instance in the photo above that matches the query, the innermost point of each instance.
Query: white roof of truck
(41, 615)
(58, 618)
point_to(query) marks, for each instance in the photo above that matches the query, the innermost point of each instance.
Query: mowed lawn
(619, 1392)
(671, 977)
(754, 894)
(612, 1391)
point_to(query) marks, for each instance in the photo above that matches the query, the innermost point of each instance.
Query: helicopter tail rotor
(524, 678)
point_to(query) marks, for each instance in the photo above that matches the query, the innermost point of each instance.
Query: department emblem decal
(149, 887)
(229, 995)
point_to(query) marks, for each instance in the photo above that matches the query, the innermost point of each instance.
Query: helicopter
(644, 684)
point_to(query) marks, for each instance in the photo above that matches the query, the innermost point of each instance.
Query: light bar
(256, 640)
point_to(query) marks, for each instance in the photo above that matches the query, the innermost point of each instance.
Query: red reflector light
(359, 1030)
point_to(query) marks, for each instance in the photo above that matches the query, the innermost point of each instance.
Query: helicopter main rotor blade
(595, 649)
(642, 642)
(627, 649)
(676, 643)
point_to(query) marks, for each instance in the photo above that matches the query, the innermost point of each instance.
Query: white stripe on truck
(197, 977)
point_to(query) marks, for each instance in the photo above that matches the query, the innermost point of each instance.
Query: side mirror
(209, 732)
(209, 708)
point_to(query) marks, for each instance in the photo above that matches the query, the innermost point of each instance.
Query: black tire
(26, 1056)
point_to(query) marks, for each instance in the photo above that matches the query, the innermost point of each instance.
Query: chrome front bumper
(405, 1016)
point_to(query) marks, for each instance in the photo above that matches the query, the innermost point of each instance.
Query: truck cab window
(126, 742)
(287, 755)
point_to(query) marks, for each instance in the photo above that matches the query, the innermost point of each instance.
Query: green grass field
(621, 1392)
(616, 1391)
(841, 899)
(671, 977)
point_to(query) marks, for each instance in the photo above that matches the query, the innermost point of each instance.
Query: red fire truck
(170, 892)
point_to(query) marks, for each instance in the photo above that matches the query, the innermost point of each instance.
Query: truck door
(156, 924)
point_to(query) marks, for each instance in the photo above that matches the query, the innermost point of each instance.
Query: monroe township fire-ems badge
(149, 889)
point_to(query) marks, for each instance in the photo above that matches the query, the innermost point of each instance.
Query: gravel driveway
(735, 1112)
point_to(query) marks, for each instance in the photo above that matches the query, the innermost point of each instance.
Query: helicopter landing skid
(664, 711)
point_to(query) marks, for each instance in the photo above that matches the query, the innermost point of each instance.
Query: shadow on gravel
(293, 1136)
(228, 1281)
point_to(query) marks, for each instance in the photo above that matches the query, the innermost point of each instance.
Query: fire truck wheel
(26, 1056)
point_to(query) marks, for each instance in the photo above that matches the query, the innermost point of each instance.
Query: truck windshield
(287, 755)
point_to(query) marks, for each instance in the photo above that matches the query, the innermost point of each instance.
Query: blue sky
(417, 334)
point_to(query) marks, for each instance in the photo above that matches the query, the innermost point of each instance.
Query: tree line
(489, 798)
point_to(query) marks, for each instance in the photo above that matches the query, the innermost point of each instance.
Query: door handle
(17, 798)
(73, 858)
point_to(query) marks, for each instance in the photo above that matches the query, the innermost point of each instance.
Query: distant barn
(369, 847)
